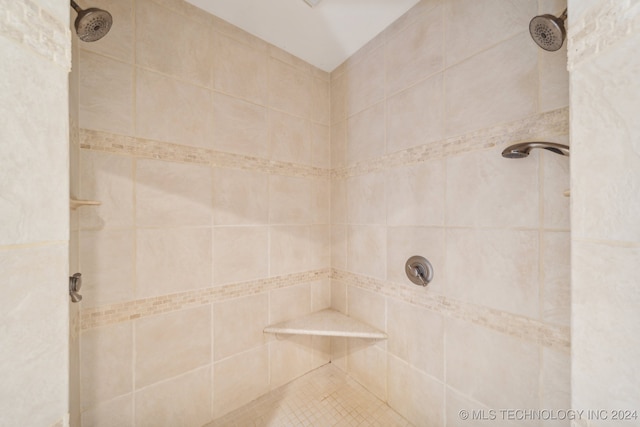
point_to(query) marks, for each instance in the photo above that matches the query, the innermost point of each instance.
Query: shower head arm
(75, 6)
(564, 15)
(551, 146)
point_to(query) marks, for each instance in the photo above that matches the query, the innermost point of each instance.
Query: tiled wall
(604, 36)
(419, 117)
(34, 207)
(209, 150)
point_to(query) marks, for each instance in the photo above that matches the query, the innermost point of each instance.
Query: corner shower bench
(328, 323)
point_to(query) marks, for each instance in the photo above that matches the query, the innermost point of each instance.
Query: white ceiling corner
(324, 35)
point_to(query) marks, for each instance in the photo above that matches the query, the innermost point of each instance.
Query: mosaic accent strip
(26, 23)
(553, 336)
(552, 123)
(600, 28)
(145, 148)
(130, 310)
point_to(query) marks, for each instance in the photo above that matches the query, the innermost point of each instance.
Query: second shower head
(522, 150)
(548, 31)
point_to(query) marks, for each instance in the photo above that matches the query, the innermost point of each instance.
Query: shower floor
(323, 397)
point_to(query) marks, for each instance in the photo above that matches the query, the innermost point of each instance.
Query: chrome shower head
(522, 150)
(91, 24)
(548, 31)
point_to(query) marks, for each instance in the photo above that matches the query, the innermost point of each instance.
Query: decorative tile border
(551, 123)
(145, 148)
(26, 23)
(553, 336)
(130, 310)
(601, 27)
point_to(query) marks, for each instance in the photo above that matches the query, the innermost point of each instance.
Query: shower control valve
(419, 270)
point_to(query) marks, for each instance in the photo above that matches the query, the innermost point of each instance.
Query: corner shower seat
(328, 323)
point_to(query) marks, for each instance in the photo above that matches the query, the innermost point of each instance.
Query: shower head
(548, 31)
(522, 150)
(92, 24)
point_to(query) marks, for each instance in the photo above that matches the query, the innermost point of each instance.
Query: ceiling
(324, 35)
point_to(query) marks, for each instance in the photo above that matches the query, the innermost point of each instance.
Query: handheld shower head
(91, 24)
(522, 150)
(548, 31)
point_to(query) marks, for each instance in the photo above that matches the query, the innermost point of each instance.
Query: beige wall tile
(556, 383)
(339, 144)
(366, 202)
(289, 138)
(339, 247)
(416, 335)
(238, 325)
(171, 344)
(503, 372)
(240, 254)
(319, 247)
(365, 82)
(494, 268)
(240, 69)
(172, 194)
(107, 363)
(108, 179)
(455, 402)
(556, 264)
(284, 56)
(289, 249)
(290, 357)
(240, 379)
(320, 294)
(113, 413)
(366, 134)
(106, 94)
(183, 400)
(289, 303)
(240, 197)
(290, 200)
(415, 116)
(368, 307)
(339, 296)
(415, 52)
(173, 44)
(485, 189)
(416, 194)
(366, 250)
(239, 126)
(339, 353)
(321, 351)
(367, 364)
(172, 111)
(107, 265)
(473, 26)
(320, 146)
(289, 89)
(554, 77)
(416, 396)
(495, 86)
(338, 201)
(556, 205)
(321, 201)
(172, 260)
(321, 101)
(338, 98)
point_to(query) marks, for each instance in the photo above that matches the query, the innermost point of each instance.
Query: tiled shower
(241, 186)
